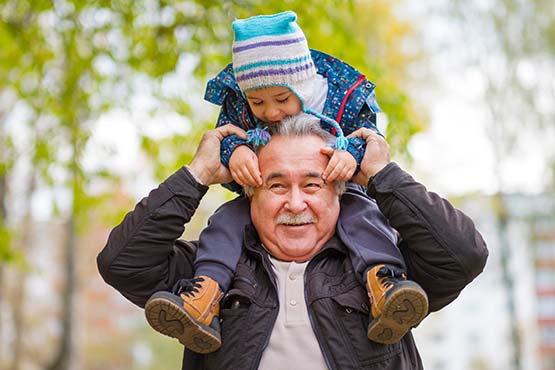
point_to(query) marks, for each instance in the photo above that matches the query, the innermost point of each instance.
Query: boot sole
(404, 309)
(169, 318)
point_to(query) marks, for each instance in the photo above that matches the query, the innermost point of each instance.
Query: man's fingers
(230, 129)
(362, 133)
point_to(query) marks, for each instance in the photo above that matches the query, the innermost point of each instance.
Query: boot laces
(389, 276)
(187, 287)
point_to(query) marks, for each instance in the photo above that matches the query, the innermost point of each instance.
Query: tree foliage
(64, 64)
(511, 44)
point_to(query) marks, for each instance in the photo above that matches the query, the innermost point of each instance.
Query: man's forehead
(304, 174)
(299, 159)
(292, 148)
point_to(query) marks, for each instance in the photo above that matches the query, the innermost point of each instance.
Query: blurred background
(101, 100)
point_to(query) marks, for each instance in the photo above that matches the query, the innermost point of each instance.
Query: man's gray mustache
(291, 219)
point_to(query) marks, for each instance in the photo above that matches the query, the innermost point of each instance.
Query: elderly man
(295, 302)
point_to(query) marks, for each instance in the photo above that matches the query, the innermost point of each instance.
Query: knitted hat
(271, 50)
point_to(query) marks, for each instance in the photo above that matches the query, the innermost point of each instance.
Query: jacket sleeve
(230, 115)
(142, 254)
(365, 119)
(443, 250)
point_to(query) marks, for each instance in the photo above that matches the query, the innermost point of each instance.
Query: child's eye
(283, 100)
(256, 102)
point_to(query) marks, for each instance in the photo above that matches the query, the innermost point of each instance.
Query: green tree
(71, 61)
(511, 44)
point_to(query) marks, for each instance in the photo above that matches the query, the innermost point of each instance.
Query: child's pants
(361, 226)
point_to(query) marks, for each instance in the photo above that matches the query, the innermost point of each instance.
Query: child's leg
(366, 233)
(221, 242)
(190, 313)
(397, 304)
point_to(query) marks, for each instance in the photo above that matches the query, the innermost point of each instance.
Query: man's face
(294, 211)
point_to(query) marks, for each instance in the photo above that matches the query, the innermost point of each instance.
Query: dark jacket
(442, 249)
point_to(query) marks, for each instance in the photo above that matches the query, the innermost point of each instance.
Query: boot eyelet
(348, 310)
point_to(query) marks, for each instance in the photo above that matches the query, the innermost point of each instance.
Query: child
(274, 75)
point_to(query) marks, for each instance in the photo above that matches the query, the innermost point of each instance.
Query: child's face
(273, 104)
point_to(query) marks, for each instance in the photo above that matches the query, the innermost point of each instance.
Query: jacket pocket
(352, 314)
(234, 326)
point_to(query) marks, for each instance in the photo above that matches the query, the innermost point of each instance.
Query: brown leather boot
(190, 315)
(397, 304)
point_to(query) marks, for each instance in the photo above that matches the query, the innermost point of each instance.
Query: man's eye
(313, 185)
(276, 186)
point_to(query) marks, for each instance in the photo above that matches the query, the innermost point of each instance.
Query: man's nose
(296, 202)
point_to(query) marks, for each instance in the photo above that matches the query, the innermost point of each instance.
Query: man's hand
(243, 165)
(376, 157)
(206, 165)
(341, 166)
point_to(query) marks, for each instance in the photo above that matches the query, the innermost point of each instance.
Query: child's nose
(273, 114)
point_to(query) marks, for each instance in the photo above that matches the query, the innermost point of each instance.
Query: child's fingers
(327, 150)
(329, 168)
(335, 173)
(237, 177)
(251, 179)
(254, 173)
(346, 174)
(244, 177)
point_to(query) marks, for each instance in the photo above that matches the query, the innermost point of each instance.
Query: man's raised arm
(443, 250)
(142, 254)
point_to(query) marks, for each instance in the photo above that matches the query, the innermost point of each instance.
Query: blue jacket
(348, 91)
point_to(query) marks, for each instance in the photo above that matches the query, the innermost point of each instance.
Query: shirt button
(292, 277)
(293, 302)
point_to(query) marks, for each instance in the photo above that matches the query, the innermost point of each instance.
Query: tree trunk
(63, 358)
(18, 303)
(2, 222)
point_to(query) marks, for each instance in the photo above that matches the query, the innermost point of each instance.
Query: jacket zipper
(349, 92)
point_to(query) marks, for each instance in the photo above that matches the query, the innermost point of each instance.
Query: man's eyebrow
(274, 175)
(278, 175)
(314, 174)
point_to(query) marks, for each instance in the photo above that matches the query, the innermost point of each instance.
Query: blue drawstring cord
(258, 136)
(341, 142)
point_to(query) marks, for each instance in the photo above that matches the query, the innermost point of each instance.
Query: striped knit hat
(271, 50)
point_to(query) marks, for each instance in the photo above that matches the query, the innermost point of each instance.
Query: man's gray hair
(300, 125)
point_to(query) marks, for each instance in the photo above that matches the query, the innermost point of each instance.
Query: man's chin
(297, 248)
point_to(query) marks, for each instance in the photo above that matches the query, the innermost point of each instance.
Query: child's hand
(342, 165)
(243, 166)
